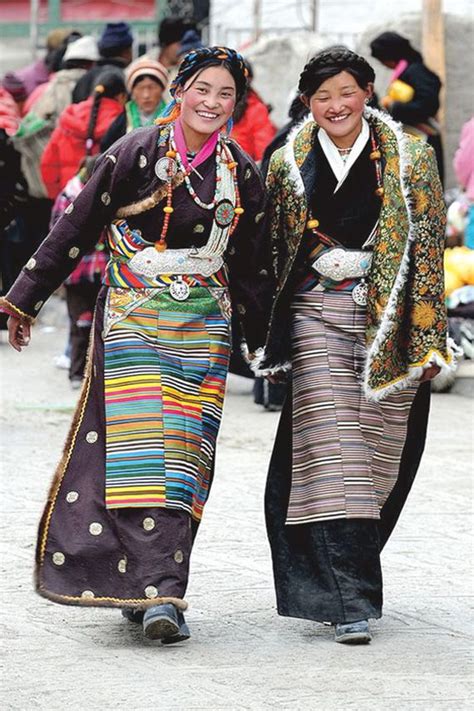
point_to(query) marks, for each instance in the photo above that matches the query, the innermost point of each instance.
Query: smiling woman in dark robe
(184, 209)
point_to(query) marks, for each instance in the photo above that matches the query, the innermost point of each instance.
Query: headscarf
(196, 61)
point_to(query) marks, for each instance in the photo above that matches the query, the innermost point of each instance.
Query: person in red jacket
(253, 130)
(79, 131)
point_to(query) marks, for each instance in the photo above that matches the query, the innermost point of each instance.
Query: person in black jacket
(413, 94)
(115, 47)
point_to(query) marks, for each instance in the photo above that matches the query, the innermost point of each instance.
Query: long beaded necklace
(226, 213)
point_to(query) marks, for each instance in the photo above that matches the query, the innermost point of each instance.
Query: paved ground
(242, 655)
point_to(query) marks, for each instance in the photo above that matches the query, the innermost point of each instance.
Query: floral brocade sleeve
(428, 332)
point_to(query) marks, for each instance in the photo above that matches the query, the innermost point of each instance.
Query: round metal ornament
(224, 213)
(359, 294)
(166, 168)
(179, 290)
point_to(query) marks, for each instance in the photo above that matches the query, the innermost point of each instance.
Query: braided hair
(109, 84)
(329, 63)
(196, 62)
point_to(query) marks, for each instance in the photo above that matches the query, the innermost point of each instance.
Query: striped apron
(346, 450)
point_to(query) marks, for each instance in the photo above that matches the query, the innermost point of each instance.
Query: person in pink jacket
(464, 169)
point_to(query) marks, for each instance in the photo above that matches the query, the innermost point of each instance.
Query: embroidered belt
(150, 263)
(340, 264)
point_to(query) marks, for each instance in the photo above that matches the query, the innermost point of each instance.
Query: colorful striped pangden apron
(165, 363)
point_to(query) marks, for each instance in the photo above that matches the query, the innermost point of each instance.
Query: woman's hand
(430, 373)
(19, 333)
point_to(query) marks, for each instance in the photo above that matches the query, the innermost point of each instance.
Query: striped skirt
(346, 450)
(165, 370)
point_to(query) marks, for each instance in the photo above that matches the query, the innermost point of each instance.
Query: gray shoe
(183, 633)
(353, 632)
(161, 621)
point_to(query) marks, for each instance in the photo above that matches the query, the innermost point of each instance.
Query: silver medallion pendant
(165, 168)
(179, 290)
(359, 294)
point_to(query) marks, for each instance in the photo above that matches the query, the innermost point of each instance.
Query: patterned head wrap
(199, 59)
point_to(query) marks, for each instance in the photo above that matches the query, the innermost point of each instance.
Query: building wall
(232, 23)
(279, 56)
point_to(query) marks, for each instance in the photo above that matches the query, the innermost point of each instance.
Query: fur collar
(298, 145)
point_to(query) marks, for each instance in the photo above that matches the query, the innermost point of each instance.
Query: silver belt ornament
(151, 263)
(340, 264)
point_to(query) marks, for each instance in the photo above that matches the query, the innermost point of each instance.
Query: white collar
(339, 168)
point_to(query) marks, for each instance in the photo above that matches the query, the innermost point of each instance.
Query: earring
(179, 100)
(366, 101)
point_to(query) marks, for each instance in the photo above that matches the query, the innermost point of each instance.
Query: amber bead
(239, 210)
(375, 155)
(170, 154)
(168, 210)
(160, 246)
(312, 224)
(380, 192)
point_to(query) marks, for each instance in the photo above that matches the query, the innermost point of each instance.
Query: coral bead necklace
(225, 202)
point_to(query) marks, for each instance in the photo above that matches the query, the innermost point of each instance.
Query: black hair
(331, 62)
(108, 85)
(297, 111)
(77, 64)
(173, 29)
(154, 78)
(390, 46)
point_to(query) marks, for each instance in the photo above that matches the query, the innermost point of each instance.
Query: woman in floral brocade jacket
(357, 227)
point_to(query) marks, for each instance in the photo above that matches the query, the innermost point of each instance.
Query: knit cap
(145, 67)
(191, 40)
(116, 35)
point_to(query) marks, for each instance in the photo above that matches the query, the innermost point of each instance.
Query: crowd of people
(172, 248)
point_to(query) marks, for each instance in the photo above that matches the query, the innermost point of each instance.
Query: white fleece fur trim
(444, 378)
(244, 349)
(448, 370)
(274, 370)
(387, 317)
(257, 360)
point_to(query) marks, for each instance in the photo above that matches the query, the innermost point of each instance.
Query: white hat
(83, 48)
